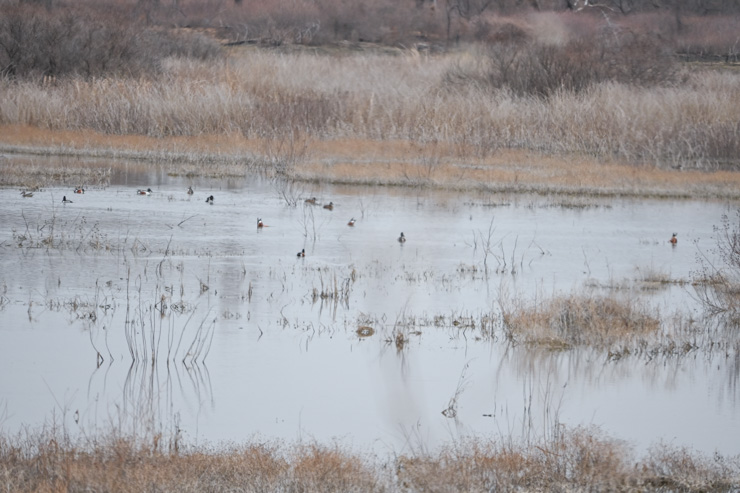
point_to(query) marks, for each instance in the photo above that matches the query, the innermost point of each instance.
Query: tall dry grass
(286, 97)
(570, 460)
(579, 320)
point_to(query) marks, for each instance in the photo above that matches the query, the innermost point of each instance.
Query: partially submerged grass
(30, 174)
(580, 320)
(571, 460)
(354, 161)
(60, 234)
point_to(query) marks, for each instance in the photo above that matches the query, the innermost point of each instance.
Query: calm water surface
(276, 359)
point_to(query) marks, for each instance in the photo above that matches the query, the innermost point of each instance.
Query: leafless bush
(718, 285)
(35, 41)
(541, 69)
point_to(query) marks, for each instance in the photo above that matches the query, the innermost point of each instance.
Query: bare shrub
(35, 41)
(671, 468)
(383, 21)
(718, 285)
(541, 69)
(710, 38)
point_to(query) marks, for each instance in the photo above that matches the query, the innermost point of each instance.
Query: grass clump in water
(580, 320)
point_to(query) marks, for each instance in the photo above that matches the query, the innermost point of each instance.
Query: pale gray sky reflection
(284, 359)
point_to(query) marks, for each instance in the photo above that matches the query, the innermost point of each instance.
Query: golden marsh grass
(396, 119)
(570, 460)
(351, 161)
(577, 320)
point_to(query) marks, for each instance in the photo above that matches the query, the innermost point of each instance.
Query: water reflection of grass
(578, 459)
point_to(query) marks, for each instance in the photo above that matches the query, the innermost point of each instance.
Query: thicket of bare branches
(718, 284)
(36, 41)
(541, 69)
(698, 28)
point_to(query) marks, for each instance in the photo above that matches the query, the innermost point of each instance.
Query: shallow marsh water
(283, 358)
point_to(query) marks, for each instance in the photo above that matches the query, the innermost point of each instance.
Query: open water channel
(212, 328)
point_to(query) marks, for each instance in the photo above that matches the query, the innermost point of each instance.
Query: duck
(673, 239)
(209, 200)
(26, 193)
(302, 253)
(190, 190)
(148, 191)
(311, 201)
(65, 200)
(402, 238)
(351, 222)
(79, 190)
(329, 206)
(260, 223)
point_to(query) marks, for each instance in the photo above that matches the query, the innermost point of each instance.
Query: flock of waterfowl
(310, 201)
(260, 223)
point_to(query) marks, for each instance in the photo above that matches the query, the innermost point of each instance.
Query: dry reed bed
(351, 161)
(282, 97)
(570, 460)
(31, 175)
(577, 320)
(618, 325)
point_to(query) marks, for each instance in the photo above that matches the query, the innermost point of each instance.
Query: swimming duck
(79, 190)
(209, 200)
(673, 239)
(26, 194)
(311, 201)
(302, 253)
(65, 201)
(148, 191)
(351, 222)
(260, 223)
(402, 238)
(329, 206)
(190, 190)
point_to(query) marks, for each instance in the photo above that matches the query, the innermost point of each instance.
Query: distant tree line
(37, 39)
(90, 37)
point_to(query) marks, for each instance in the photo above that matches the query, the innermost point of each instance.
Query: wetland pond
(166, 312)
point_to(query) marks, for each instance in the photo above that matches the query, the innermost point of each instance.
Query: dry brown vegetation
(578, 102)
(458, 96)
(578, 320)
(570, 460)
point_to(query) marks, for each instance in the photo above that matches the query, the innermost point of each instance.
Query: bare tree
(465, 9)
